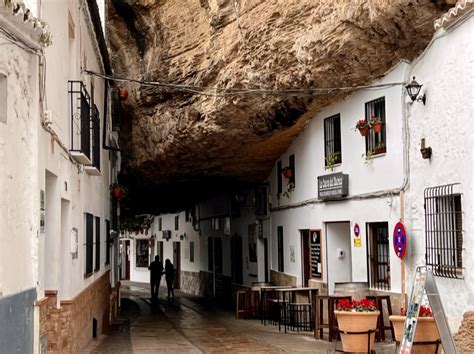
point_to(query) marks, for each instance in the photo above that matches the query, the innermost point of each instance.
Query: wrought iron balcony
(80, 113)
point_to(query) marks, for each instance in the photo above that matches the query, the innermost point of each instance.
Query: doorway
(125, 259)
(338, 254)
(236, 259)
(177, 264)
(305, 256)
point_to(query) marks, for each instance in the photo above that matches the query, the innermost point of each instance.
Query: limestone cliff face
(174, 136)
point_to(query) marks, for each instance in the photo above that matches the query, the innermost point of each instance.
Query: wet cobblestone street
(195, 325)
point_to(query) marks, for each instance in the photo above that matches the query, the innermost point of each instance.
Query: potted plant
(123, 93)
(426, 330)
(118, 191)
(287, 172)
(332, 159)
(376, 124)
(379, 149)
(357, 316)
(363, 127)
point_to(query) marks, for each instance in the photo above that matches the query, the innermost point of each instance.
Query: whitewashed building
(56, 128)
(440, 196)
(20, 52)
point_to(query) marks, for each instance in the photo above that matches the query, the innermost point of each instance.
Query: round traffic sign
(399, 240)
(356, 230)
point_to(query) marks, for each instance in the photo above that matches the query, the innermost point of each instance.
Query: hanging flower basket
(363, 127)
(287, 172)
(123, 93)
(118, 191)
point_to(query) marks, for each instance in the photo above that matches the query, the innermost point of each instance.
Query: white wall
(381, 173)
(85, 193)
(19, 191)
(446, 122)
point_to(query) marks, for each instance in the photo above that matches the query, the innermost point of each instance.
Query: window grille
(95, 122)
(375, 142)
(279, 178)
(291, 163)
(80, 111)
(281, 267)
(191, 251)
(97, 243)
(108, 242)
(378, 253)
(443, 231)
(89, 244)
(160, 224)
(176, 222)
(332, 140)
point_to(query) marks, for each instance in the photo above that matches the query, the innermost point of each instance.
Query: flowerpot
(426, 331)
(364, 131)
(377, 127)
(118, 194)
(287, 173)
(349, 321)
(123, 93)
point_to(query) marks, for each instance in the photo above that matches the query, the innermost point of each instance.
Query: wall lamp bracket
(413, 89)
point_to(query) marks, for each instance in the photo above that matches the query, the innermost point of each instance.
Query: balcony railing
(80, 113)
(95, 121)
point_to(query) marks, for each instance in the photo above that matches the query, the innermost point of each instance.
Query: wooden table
(288, 296)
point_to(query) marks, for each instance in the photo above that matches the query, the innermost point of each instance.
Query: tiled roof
(24, 18)
(461, 7)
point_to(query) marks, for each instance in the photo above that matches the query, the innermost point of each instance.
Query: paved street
(194, 325)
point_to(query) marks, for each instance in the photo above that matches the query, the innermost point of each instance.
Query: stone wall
(465, 337)
(69, 328)
(279, 278)
(190, 282)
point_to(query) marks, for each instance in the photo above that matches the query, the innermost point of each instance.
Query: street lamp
(413, 89)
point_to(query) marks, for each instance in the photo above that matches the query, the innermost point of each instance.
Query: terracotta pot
(377, 127)
(364, 131)
(118, 194)
(356, 322)
(287, 173)
(426, 331)
(123, 93)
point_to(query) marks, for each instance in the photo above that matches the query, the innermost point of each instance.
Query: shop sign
(333, 186)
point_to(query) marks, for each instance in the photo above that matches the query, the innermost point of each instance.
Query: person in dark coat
(156, 270)
(169, 276)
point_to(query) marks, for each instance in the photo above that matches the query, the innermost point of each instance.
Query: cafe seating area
(304, 309)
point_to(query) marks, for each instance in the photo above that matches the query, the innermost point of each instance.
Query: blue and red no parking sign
(399, 240)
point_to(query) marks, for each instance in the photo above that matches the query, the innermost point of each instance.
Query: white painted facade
(446, 70)
(382, 175)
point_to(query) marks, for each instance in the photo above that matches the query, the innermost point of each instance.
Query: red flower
(425, 311)
(364, 305)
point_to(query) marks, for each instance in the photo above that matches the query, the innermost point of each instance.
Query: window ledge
(333, 167)
(88, 275)
(378, 155)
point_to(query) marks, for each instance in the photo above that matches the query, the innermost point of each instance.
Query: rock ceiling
(185, 142)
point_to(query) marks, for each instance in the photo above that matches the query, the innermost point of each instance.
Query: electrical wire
(216, 91)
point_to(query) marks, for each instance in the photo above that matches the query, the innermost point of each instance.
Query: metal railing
(80, 113)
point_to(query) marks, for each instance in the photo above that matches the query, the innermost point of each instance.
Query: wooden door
(177, 264)
(306, 256)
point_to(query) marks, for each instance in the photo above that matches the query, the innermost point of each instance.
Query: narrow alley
(195, 324)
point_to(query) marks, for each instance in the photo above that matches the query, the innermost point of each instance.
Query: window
(444, 235)
(280, 249)
(108, 242)
(261, 200)
(89, 244)
(3, 98)
(97, 243)
(332, 141)
(142, 253)
(375, 142)
(191, 251)
(160, 224)
(291, 162)
(378, 251)
(176, 222)
(210, 253)
(95, 122)
(279, 178)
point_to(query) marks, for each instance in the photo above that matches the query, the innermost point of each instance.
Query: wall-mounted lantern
(413, 89)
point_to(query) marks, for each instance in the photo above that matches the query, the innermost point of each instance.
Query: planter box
(426, 331)
(357, 322)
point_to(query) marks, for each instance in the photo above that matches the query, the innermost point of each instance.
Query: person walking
(169, 277)
(156, 270)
